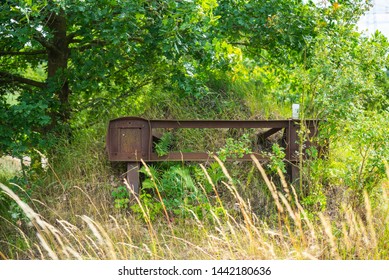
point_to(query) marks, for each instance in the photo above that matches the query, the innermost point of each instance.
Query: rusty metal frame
(130, 139)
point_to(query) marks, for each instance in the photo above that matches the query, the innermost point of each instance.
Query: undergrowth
(80, 208)
(81, 225)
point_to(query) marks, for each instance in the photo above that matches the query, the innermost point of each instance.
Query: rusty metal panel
(128, 139)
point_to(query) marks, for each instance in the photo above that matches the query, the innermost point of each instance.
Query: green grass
(80, 223)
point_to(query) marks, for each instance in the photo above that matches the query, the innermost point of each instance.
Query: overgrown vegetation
(192, 60)
(96, 232)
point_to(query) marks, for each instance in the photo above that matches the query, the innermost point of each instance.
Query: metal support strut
(133, 176)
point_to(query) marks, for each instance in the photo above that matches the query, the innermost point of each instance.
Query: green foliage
(162, 147)
(180, 195)
(235, 148)
(151, 208)
(360, 152)
(276, 157)
(348, 69)
(121, 197)
(81, 66)
(315, 201)
(178, 46)
(27, 116)
(9, 208)
(215, 173)
(232, 59)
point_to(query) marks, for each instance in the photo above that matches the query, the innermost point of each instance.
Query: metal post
(294, 172)
(292, 149)
(133, 176)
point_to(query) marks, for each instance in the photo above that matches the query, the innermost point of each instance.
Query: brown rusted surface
(177, 156)
(133, 176)
(269, 132)
(218, 124)
(131, 139)
(128, 139)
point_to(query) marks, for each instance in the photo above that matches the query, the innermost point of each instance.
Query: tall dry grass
(79, 226)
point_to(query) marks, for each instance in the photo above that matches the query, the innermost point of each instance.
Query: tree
(61, 57)
(58, 57)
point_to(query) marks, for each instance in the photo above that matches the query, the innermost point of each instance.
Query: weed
(164, 144)
(277, 159)
(121, 197)
(217, 235)
(234, 149)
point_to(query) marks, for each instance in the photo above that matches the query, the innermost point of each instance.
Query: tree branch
(240, 44)
(36, 52)
(136, 39)
(45, 43)
(98, 42)
(92, 44)
(12, 78)
(71, 36)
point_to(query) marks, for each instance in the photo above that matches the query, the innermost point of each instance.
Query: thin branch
(92, 44)
(45, 43)
(136, 39)
(98, 42)
(36, 52)
(71, 37)
(4, 76)
(240, 44)
(135, 88)
(75, 41)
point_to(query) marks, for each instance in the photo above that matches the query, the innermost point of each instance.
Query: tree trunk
(58, 54)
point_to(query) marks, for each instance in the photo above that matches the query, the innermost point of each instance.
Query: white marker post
(295, 111)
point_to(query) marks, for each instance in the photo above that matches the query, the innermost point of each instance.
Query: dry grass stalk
(330, 237)
(2, 256)
(102, 236)
(268, 184)
(243, 236)
(241, 203)
(159, 195)
(284, 184)
(213, 185)
(145, 214)
(46, 246)
(369, 219)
